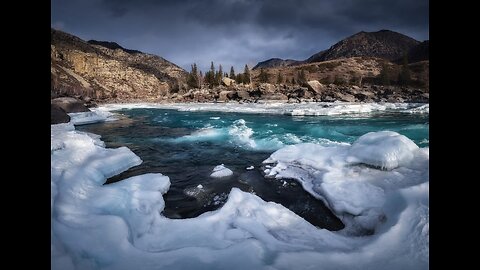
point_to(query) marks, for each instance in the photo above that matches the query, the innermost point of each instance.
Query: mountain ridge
(385, 44)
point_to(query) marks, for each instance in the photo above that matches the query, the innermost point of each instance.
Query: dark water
(186, 146)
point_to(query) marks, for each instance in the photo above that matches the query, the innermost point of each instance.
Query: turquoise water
(186, 146)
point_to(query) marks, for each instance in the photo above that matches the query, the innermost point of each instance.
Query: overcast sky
(235, 32)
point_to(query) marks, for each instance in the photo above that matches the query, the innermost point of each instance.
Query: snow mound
(221, 171)
(384, 149)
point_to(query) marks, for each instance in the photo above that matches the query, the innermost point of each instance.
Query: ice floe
(354, 180)
(120, 225)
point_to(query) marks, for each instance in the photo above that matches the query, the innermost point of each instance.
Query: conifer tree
(246, 75)
(192, 80)
(232, 73)
(384, 75)
(263, 76)
(211, 76)
(279, 78)
(239, 78)
(301, 77)
(404, 77)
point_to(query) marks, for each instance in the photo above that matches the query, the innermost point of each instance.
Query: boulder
(224, 95)
(315, 86)
(228, 81)
(345, 97)
(70, 105)
(267, 88)
(243, 95)
(58, 115)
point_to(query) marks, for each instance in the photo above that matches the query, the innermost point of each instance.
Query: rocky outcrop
(105, 71)
(70, 105)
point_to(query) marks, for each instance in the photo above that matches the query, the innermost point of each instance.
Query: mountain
(106, 71)
(275, 62)
(384, 44)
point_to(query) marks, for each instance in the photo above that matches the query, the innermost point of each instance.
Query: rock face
(58, 115)
(106, 71)
(275, 62)
(384, 44)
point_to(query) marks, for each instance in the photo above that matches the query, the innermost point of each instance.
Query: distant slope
(316, 57)
(384, 44)
(106, 71)
(275, 62)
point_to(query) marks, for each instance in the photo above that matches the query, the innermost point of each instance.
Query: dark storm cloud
(235, 32)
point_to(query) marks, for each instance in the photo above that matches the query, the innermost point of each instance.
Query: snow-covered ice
(220, 171)
(354, 181)
(120, 225)
(93, 116)
(295, 109)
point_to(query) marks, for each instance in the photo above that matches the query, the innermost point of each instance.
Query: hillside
(106, 71)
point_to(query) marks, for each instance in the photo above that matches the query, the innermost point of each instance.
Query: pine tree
(246, 75)
(232, 73)
(211, 76)
(192, 80)
(301, 77)
(263, 76)
(218, 76)
(384, 76)
(404, 77)
(239, 78)
(279, 78)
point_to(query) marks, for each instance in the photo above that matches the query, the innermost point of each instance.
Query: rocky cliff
(105, 71)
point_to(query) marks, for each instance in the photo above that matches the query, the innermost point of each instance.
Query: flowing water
(186, 146)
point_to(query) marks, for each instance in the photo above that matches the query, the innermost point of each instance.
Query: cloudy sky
(235, 32)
